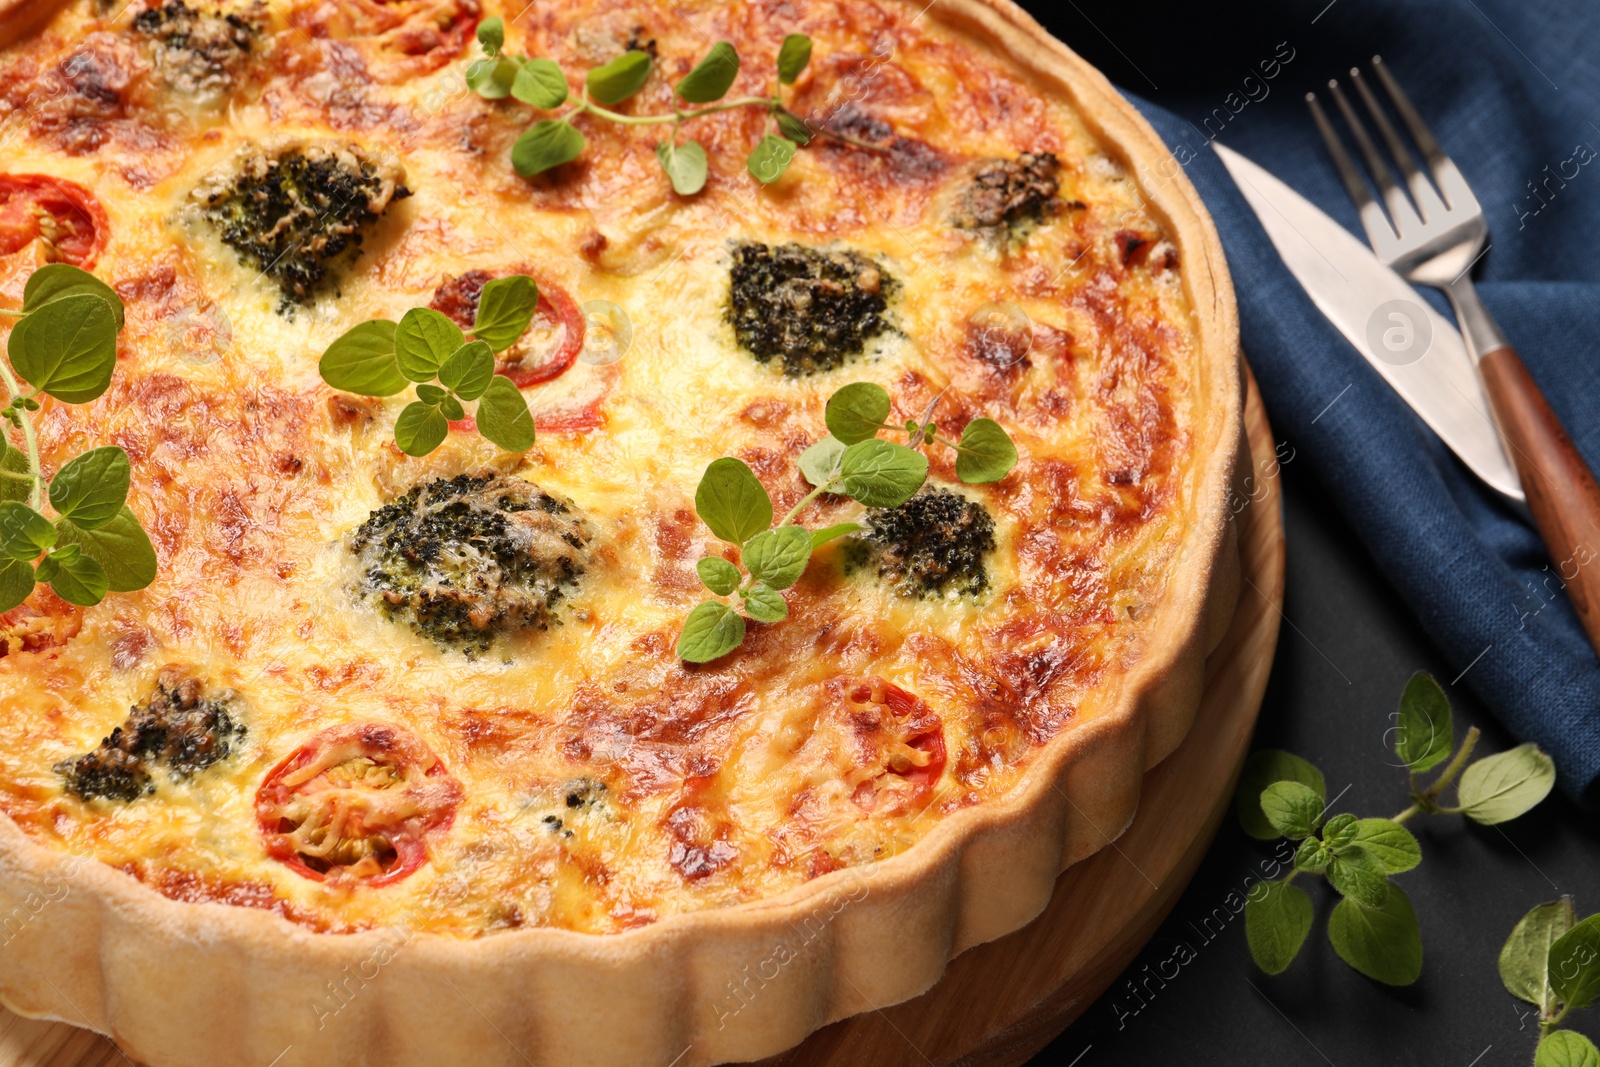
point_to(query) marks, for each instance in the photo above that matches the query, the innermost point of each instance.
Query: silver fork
(1435, 236)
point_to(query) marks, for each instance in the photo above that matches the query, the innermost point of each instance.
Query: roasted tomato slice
(553, 339)
(402, 38)
(42, 621)
(357, 804)
(63, 216)
(910, 739)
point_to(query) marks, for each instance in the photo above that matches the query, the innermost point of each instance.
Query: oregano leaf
(1566, 1048)
(986, 453)
(619, 79)
(1500, 787)
(792, 126)
(778, 557)
(717, 575)
(1276, 922)
(423, 340)
(1575, 964)
(1340, 831)
(505, 308)
(1390, 843)
(540, 83)
(121, 547)
(770, 158)
(492, 77)
(16, 582)
(468, 370)
(732, 501)
(363, 361)
(711, 631)
(856, 412)
(492, 34)
(14, 461)
(1382, 943)
(1261, 769)
(503, 416)
(829, 533)
(90, 489)
(55, 280)
(820, 462)
(1423, 726)
(78, 578)
(67, 348)
(712, 77)
(1312, 856)
(1293, 809)
(420, 429)
(1525, 957)
(24, 534)
(546, 144)
(765, 604)
(685, 165)
(881, 474)
(793, 56)
(1359, 875)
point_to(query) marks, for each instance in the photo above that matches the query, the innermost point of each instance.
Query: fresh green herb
(1373, 928)
(381, 358)
(853, 461)
(1552, 961)
(542, 84)
(64, 345)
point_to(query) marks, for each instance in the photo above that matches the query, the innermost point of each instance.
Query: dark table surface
(1347, 646)
(1346, 649)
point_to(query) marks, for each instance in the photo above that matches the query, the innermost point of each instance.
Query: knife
(1417, 351)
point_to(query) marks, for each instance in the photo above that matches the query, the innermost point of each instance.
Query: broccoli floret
(1004, 192)
(174, 730)
(293, 212)
(934, 544)
(810, 310)
(200, 52)
(466, 559)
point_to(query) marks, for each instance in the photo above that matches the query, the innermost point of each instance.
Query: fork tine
(1373, 220)
(1402, 216)
(1452, 186)
(1422, 192)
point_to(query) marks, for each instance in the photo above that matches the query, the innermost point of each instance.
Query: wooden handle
(1562, 494)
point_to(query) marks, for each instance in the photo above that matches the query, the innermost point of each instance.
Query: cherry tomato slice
(402, 38)
(536, 357)
(64, 215)
(42, 621)
(914, 750)
(357, 804)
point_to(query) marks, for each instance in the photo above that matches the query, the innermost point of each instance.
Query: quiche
(423, 712)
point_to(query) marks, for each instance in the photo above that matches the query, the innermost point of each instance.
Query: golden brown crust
(883, 931)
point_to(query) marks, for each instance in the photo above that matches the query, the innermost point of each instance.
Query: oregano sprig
(852, 461)
(541, 83)
(1373, 928)
(64, 345)
(1552, 961)
(380, 358)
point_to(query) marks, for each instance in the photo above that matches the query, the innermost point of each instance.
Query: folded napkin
(1512, 91)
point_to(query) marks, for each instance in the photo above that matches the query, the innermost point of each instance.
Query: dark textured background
(1345, 652)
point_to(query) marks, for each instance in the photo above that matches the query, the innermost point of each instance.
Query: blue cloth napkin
(1512, 91)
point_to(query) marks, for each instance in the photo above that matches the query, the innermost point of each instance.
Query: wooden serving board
(1001, 1002)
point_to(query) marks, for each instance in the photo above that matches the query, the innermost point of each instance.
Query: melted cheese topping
(604, 783)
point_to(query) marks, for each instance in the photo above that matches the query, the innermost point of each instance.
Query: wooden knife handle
(1562, 494)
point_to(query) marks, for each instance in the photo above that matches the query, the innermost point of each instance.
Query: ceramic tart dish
(395, 762)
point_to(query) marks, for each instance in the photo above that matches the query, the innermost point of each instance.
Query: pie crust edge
(210, 984)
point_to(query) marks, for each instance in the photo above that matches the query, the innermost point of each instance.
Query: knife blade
(1416, 350)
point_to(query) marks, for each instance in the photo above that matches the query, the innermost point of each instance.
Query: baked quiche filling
(376, 684)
